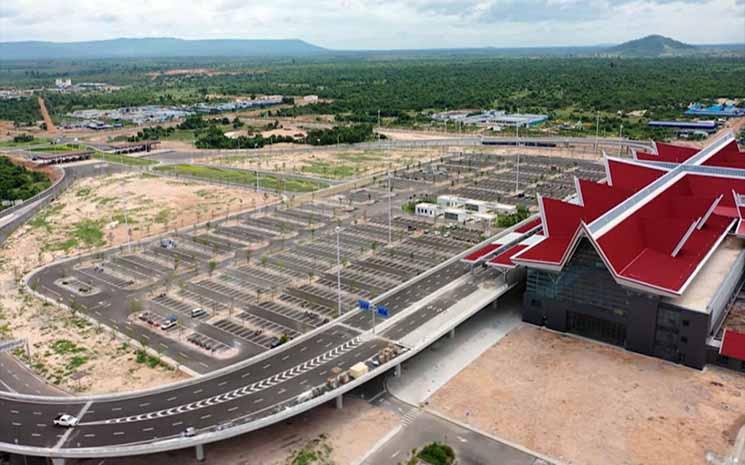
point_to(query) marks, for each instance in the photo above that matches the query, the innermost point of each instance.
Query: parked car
(171, 322)
(65, 420)
(198, 312)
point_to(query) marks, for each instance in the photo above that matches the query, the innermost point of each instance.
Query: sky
(379, 24)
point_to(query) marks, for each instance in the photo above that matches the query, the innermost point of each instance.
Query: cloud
(365, 24)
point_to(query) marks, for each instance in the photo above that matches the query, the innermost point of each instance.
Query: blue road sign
(382, 311)
(363, 304)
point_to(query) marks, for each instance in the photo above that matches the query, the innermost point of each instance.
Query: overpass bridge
(266, 389)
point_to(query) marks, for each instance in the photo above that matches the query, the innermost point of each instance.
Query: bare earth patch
(89, 215)
(587, 403)
(350, 433)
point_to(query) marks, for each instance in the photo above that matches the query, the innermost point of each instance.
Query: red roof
(670, 222)
(527, 227)
(733, 344)
(668, 153)
(486, 250)
(504, 260)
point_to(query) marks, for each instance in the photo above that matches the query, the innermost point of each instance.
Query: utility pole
(517, 174)
(390, 208)
(338, 269)
(597, 131)
(620, 137)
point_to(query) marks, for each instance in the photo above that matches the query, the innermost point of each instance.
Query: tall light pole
(597, 131)
(338, 268)
(390, 208)
(517, 174)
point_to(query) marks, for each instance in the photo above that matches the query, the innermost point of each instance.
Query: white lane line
(70, 430)
(145, 430)
(118, 433)
(232, 409)
(177, 423)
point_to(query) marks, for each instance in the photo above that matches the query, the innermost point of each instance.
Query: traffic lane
(255, 405)
(282, 361)
(31, 424)
(411, 294)
(421, 316)
(16, 377)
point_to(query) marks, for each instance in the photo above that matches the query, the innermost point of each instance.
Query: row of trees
(18, 183)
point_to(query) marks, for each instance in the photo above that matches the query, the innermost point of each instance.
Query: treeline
(214, 138)
(340, 135)
(153, 133)
(18, 183)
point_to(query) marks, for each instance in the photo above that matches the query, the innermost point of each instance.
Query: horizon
(367, 25)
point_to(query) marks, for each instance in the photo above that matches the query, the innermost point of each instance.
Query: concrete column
(199, 449)
(451, 333)
(397, 371)
(340, 401)
(59, 461)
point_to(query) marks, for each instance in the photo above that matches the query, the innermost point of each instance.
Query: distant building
(708, 126)
(63, 83)
(720, 110)
(310, 99)
(492, 118)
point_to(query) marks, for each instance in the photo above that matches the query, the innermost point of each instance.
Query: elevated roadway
(257, 392)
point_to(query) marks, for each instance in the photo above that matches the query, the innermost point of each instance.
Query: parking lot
(236, 287)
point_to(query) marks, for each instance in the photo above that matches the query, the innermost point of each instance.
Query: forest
(406, 90)
(18, 183)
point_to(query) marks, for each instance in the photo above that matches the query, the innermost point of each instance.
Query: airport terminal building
(650, 259)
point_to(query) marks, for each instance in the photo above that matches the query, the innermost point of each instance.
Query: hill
(652, 46)
(154, 48)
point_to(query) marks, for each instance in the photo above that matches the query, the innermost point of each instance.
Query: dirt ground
(154, 205)
(586, 403)
(350, 433)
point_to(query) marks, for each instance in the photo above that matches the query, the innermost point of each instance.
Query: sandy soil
(350, 433)
(152, 201)
(586, 403)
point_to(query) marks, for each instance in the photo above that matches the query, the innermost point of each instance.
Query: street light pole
(338, 269)
(390, 208)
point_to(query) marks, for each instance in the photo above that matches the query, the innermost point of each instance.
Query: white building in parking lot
(429, 210)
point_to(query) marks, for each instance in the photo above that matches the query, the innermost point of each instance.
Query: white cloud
(355, 24)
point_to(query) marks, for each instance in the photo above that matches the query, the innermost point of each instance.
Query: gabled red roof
(654, 227)
(729, 157)
(630, 176)
(668, 153)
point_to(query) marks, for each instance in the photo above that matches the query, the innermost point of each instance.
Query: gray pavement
(420, 427)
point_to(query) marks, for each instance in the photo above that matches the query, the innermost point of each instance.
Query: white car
(65, 420)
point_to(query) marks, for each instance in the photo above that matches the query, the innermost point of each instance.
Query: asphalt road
(243, 395)
(471, 448)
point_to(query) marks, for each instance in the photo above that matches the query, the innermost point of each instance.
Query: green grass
(64, 246)
(330, 170)
(361, 157)
(11, 144)
(89, 233)
(124, 159)
(56, 148)
(241, 177)
(65, 347)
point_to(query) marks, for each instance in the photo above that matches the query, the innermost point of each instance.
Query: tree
(211, 265)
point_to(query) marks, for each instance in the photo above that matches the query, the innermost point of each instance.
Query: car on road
(65, 420)
(190, 432)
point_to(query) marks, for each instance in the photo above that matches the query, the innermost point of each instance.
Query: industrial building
(651, 259)
(718, 111)
(708, 127)
(491, 118)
